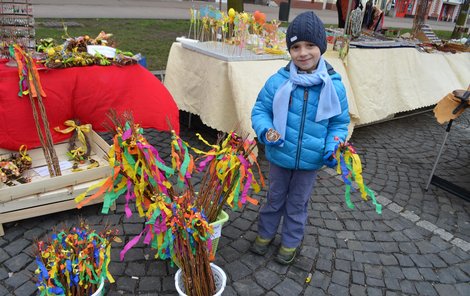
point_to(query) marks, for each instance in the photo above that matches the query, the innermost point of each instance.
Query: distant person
(368, 15)
(388, 7)
(377, 21)
(300, 115)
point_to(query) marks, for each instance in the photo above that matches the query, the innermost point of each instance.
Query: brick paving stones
(418, 246)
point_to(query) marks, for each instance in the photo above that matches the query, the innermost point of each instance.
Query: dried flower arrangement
(13, 168)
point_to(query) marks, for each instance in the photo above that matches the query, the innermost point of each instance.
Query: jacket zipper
(301, 131)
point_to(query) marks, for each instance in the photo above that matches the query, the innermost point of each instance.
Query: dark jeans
(288, 196)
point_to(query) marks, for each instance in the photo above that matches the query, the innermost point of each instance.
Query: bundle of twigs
(227, 175)
(174, 226)
(74, 261)
(138, 171)
(177, 221)
(191, 252)
(74, 152)
(30, 85)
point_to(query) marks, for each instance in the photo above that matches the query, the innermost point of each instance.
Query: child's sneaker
(286, 255)
(260, 246)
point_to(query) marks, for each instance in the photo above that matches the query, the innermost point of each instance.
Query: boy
(299, 115)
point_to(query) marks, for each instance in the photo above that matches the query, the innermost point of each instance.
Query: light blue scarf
(328, 106)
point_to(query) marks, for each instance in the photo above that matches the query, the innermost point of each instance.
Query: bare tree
(461, 23)
(420, 16)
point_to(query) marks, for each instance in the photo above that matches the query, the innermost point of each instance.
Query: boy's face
(305, 55)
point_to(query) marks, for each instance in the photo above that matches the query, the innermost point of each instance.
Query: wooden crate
(46, 195)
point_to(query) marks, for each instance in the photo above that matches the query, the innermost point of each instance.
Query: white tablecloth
(379, 83)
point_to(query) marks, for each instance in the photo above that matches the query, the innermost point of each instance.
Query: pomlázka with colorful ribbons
(74, 261)
(350, 168)
(228, 174)
(30, 84)
(27, 72)
(137, 171)
(177, 222)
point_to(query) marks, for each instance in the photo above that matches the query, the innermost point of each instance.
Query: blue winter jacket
(306, 141)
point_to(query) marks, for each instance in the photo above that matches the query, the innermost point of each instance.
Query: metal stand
(446, 134)
(439, 182)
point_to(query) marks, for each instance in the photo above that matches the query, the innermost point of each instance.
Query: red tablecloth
(86, 94)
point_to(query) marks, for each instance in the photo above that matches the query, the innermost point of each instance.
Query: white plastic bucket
(220, 280)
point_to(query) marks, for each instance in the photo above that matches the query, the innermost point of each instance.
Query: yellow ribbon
(78, 153)
(24, 154)
(93, 165)
(108, 274)
(81, 129)
(357, 169)
(82, 196)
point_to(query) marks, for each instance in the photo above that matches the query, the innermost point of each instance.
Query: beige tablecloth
(388, 81)
(379, 83)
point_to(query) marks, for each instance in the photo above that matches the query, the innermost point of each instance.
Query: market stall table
(379, 83)
(85, 94)
(222, 92)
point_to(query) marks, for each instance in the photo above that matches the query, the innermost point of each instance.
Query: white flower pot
(220, 280)
(217, 226)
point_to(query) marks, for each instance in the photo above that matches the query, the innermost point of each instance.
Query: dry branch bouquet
(74, 261)
(177, 218)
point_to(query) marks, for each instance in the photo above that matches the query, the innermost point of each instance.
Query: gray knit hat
(307, 26)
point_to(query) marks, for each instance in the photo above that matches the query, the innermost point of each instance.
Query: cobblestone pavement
(419, 245)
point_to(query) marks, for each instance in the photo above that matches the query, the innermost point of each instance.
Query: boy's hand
(329, 160)
(273, 138)
(272, 135)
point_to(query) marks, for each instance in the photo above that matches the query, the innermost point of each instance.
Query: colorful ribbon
(78, 257)
(24, 60)
(232, 161)
(350, 168)
(176, 223)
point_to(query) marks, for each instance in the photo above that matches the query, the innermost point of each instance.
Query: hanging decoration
(350, 168)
